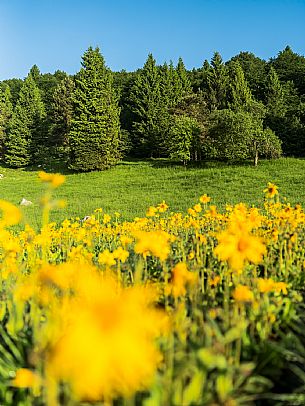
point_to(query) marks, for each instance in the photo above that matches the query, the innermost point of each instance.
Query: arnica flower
(271, 190)
(106, 258)
(181, 278)
(120, 254)
(238, 247)
(154, 243)
(53, 179)
(25, 378)
(152, 211)
(198, 208)
(204, 199)
(265, 285)
(11, 215)
(162, 207)
(243, 293)
(105, 346)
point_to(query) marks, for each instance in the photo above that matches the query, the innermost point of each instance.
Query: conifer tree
(274, 95)
(217, 82)
(183, 77)
(95, 126)
(150, 109)
(6, 109)
(25, 135)
(241, 96)
(62, 110)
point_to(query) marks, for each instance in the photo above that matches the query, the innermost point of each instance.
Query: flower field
(195, 308)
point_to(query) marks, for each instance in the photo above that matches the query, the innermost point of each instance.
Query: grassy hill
(132, 186)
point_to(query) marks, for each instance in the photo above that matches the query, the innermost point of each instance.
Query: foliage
(25, 133)
(6, 110)
(94, 132)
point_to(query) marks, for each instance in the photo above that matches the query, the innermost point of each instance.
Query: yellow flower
(152, 243)
(53, 179)
(106, 218)
(25, 378)
(107, 258)
(214, 281)
(162, 207)
(192, 212)
(204, 199)
(281, 287)
(265, 285)
(121, 254)
(125, 240)
(181, 278)
(243, 294)
(151, 212)
(238, 247)
(105, 346)
(271, 190)
(197, 208)
(10, 214)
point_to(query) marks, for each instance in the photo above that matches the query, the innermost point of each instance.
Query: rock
(1, 176)
(25, 202)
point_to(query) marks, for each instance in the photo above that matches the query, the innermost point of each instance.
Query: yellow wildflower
(281, 287)
(107, 258)
(265, 285)
(197, 208)
(10, 214)
(271, 190)
(53, 179)
(25, 378)
(106, 218)
(162, 207)
(243, 294)
(152, 243)
(105, 347)
(121, 254)
(151, 212)
(238, 247)
(181, 278)
(204, 199)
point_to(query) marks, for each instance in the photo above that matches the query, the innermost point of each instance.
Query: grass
(132, 186)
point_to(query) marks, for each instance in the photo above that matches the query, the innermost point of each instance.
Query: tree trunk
(256, 158)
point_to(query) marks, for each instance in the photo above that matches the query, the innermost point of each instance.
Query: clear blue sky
(54, 33)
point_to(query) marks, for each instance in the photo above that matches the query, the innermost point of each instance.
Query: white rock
(25, 202)
(1, 176)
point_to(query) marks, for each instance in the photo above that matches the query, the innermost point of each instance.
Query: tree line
(244, 108)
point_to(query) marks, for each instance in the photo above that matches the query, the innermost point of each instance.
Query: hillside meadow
(133, 185)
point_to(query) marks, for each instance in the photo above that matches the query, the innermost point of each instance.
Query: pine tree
(274, 96)
(183, 77)
(150, 109)
(25, 135)
(217, 83)
(95, 126)
(6, 109)
(241, 96)
(62, 110)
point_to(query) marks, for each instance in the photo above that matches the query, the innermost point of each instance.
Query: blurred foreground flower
(104, 346)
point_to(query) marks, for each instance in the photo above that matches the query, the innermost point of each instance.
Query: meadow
(132, 186)
(200, 303)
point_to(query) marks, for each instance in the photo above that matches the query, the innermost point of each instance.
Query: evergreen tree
(62, 110)
(150, 110)
(217, 83)
(6, 109)
(274, 96)
(95, 126)
(184, 79)
(35, 73)
(25, 135)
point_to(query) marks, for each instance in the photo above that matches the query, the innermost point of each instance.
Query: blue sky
(54, 33)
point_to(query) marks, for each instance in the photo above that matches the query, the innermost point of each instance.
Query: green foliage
(25, 133)
(62, 110)
(183, 135)
(95, 126)
(6, 110)
(217, 83)
(150, 110)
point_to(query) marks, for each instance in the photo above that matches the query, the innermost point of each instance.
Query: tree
(6, 110)
(183, 135)
(25, 134)
(217, 83)
(183, 78)
(95, 126)
(62, 110)
(254, 71)
(237, 135)
(151, 116)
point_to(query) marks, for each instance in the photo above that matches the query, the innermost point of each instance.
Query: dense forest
(244, 108)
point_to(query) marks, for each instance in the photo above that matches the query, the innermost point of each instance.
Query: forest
(244, 108)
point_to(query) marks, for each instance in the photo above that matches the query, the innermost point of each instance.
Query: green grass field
(132, 186)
